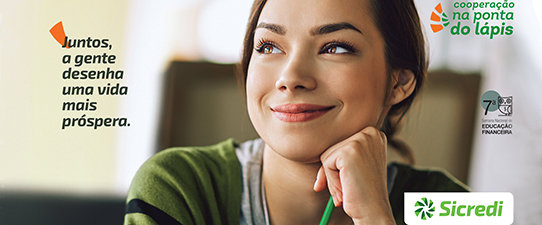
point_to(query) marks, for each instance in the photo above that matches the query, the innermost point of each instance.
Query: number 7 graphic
(488, 104)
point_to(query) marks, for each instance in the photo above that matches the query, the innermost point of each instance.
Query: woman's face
(317, 75)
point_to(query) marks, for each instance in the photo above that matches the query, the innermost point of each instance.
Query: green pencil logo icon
(440, 19)
(424, 209)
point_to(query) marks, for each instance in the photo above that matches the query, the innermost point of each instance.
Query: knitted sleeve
(192, 185)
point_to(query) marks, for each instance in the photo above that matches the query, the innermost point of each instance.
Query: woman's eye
(270, 49)
(338, 48)
(265, 47)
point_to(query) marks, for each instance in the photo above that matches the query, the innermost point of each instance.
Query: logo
(472, 208)
(440, 19)
(492, 101)
(492, 18)
(424, 209)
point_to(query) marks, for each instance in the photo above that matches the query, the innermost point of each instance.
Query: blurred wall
(203, 105)
(440, 124)
(35, 153)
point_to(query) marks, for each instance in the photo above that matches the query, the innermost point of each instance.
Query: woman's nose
(297, 75)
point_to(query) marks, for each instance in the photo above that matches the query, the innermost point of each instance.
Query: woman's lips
(300, 112)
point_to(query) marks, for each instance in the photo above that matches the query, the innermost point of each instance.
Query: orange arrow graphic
(58, 33)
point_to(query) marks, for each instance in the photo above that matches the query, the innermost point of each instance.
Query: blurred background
(178, 59)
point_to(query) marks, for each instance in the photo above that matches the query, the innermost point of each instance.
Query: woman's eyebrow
(329, 28)
(275, 28)
(324, 29)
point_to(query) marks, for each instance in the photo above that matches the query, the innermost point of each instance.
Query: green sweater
(203, 185)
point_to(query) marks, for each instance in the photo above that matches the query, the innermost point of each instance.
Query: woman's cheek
(258, 86)
(261, 80)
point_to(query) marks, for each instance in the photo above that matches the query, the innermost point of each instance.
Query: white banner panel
(465, 208)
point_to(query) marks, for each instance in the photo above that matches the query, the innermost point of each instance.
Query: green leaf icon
(418, 211)
(425, 209)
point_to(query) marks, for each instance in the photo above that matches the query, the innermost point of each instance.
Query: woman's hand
(354, 170)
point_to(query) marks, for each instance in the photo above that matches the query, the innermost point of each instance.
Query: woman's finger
(321, 180)
(334, 184)
(328, 176)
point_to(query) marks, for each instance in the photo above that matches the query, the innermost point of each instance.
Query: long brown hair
(404, 44)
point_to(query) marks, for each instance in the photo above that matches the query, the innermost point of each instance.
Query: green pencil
(327, 213)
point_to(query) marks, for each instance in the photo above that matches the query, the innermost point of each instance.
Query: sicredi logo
(476, 208)
(425, 210)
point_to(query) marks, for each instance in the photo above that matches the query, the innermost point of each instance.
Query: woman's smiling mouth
(300, 112)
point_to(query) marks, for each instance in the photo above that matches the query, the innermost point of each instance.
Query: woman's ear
(403, 86)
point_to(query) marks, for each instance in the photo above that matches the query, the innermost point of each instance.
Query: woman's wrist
(380, 217)
(376, 220)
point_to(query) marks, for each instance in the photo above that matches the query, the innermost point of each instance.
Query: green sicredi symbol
(425, 209)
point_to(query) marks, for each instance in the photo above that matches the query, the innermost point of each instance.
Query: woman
(321, 78)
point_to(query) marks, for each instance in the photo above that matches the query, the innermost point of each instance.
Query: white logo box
(469, 201)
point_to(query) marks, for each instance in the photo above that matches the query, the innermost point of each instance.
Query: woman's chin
(298, 150)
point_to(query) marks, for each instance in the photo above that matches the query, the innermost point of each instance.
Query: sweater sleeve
(193, 185)
(410, 179)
